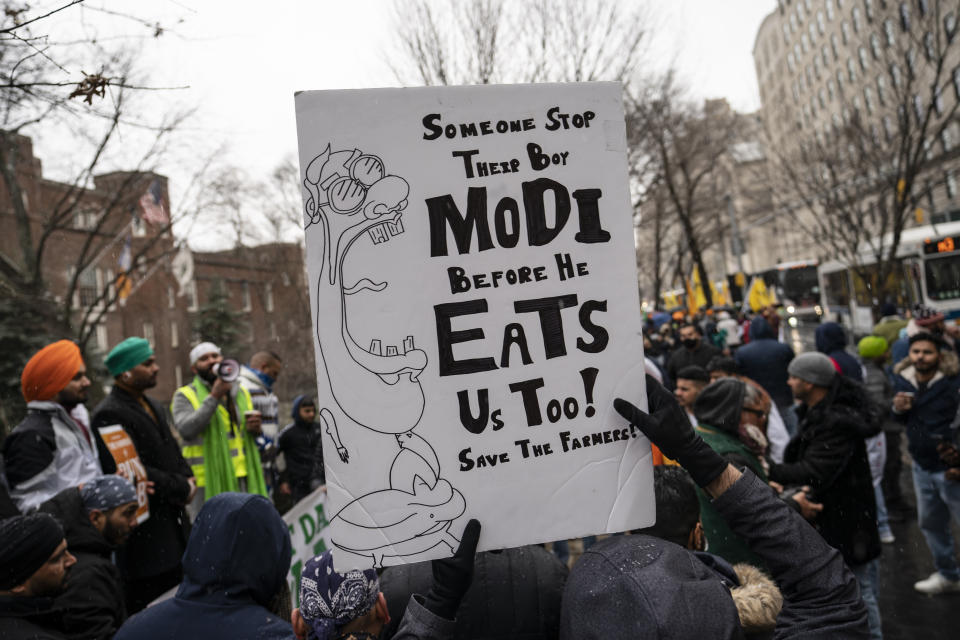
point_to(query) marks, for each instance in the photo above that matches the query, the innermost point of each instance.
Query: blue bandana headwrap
(106, 492)
(329, 599)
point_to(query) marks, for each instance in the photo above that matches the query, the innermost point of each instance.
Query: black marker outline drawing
(349, 193)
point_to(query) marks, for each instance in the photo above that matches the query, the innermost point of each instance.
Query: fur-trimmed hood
(758, 600)
(949, 364)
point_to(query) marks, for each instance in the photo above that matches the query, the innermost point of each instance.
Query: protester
(925, 400)
(150, 561)
(890, 323)
(300, 444)
(235, 578)
(48, 451)
(933, 321)
(219, 434)
(729, 328)
(690, 382)
(728, 414)
(677, 508)
(258, 378)
(765, 360)
(350, 606)
(694, 350)
(644, 587)
(831, 340)
(34, 563)
(515, 593)
(873, 354)
(775, 428)
(829, 455)
(96, 518)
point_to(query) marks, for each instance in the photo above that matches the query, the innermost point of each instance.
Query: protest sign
(125, 454)
(307, 523)
(473, 284)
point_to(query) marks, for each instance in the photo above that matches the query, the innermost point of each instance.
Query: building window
(950, 26)
(851, 70)
(268, 297)
(875, 46)
(174, 335)
(829, 6)
(103, 342)
(918, 107)
(139, 229)
(825, 55)
(888, 127)
(831, 91)
(246, 295)
(194, 303)
(928, 46)
(956, 82)
(812, 30)
(868, 8)
(946, 139)
(951, 181)
(148, 332)
(171, 297)
(857, 19)
(821, 97)
(816, 67)
(786, 34)
(845, 32)
(938, 100)
(896, 75)
(922, 5)
(888, 32)
(840, 80)
(87, 289)
(912, 62)
(804, 43)
(85, 218)
(882, 89)
(790, 62)
(862, 55)
(285, 279)
(904, 16)
(273, 330)
(178, 376)
(821, 23)
(868, 99)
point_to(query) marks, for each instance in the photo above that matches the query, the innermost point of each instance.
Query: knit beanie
(127, 355)
(813, 367)
(26, 543)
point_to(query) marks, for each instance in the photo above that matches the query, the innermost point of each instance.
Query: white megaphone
(227, 369)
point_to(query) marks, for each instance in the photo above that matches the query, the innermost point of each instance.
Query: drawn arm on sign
(351, 198)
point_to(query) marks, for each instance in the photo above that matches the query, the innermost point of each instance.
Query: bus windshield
(800, 285)
(943, 277)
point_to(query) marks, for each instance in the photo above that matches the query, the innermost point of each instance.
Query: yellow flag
(699, 298)
(759, 296)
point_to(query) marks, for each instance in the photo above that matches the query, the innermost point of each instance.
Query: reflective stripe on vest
(194, 453)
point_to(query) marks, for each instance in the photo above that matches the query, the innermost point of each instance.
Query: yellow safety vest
(194, 453)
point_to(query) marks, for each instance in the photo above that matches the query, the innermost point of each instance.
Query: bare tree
(443, 42)
(854, 185)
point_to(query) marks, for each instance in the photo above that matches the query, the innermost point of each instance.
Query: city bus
(927, 272)
(797, 287)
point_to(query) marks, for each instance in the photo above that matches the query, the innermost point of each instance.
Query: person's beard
(207, 375)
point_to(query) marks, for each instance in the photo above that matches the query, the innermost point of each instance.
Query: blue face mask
(265, 379)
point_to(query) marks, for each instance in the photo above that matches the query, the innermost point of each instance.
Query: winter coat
(157, 545)
(928, 421)
(514, 594)
(880, 390)
(235, 564)
(30, 619)
(301, 444)
(765, 360)
(829, 454)
(832, 341)
(92, 602)
(47, 453)
(683, 357)
(640, 587)
(889, 328)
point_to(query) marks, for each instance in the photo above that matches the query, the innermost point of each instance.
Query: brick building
(104, 225)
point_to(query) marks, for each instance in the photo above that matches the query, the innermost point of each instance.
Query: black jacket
(765, 360)
(683, 357)
(638, 587)
(157, 545)
(29, 619)
(832, 341)
(301, 444)
(828, 453)
(92, 602)
(934, 408)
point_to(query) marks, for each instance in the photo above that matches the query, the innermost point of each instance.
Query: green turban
(872, 347)
(127, 355)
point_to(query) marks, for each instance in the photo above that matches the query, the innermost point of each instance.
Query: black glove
(668, 427)
(452, 576)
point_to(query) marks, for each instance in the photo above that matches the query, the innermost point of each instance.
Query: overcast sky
(243, 61)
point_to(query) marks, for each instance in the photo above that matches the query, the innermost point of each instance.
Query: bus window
(837, 289)
(943, 277)
(800, 285)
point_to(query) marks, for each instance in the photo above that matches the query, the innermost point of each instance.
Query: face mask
(691, 343)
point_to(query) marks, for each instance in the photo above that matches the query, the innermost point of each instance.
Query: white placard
(473, 284)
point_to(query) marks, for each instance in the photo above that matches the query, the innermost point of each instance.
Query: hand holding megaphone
(227, 371)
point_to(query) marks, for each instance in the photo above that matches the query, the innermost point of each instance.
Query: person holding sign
(150, 561)
(97, 517)
(656, 577)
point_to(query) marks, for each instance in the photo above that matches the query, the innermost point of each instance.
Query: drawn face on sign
(359, 206)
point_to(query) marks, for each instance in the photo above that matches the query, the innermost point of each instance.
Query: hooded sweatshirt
(765, 360)
(235, 564)
(301, 444)
(831, 339)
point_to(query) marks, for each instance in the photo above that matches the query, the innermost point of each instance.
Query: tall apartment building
(820, 62)
(266, 284)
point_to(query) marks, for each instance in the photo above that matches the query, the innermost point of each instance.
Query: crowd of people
(777, 476)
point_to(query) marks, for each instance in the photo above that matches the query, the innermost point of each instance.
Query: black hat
(26, 543)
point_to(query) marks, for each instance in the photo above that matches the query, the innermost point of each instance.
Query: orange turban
(49, 370)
